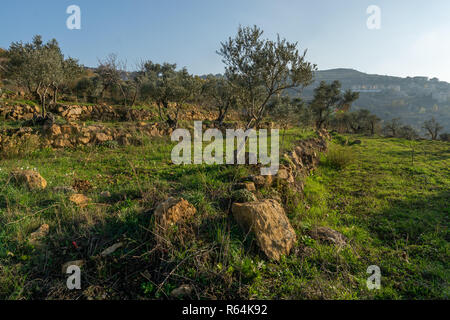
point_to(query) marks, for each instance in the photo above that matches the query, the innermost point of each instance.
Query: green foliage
(164, 85)
(243, 195)
(328, 99)
(260, 69)
(219, 93)
(407, 132)
(433, 128)
(339, 157)
(361, 121)
(40, 67)
(393, 213)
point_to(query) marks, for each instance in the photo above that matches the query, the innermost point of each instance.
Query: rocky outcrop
(32, 179)
(270, 225)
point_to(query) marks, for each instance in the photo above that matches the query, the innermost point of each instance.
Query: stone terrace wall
(18, 112)
(105, 113)
(101, 113)
(73, 134)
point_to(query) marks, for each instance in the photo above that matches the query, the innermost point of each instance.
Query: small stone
(285, 175)
(39, 234)
(111, 249)
(105, 194)
(79, 199)
(182, 291)
(250, 186)
(262, 181)
(329, 235)
(32, 179)
(102, 137)
(173, 210)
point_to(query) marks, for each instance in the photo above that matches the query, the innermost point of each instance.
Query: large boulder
(32, 179)
(173, 210)
(268, 221)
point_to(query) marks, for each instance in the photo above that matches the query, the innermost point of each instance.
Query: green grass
(393, 211)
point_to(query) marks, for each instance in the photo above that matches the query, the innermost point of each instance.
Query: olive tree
(164, 85)
(392, 127)
(259, 69)
(40, 67)
(219, 93)
(433, 128)
(327, 99)
(110, 71)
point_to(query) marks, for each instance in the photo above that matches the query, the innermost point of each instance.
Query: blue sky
(413, 39)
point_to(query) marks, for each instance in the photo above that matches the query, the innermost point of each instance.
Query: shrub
(339, 157)
(445, 137)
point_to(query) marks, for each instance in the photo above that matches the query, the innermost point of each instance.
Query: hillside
(388, 209)
(413, 99)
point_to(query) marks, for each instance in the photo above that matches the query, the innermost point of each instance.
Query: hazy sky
(414, 38)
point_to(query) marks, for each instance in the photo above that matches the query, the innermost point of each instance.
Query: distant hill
(413, 99)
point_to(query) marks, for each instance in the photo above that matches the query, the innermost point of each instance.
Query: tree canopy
(259, 69)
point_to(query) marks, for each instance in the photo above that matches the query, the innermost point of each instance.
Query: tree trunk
(55, 94)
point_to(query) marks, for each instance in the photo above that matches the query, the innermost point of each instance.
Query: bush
(445, 137)
(339, 157)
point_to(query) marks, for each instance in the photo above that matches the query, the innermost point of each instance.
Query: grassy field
(393, 208)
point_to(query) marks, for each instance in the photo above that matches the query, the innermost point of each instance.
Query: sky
(413, 38)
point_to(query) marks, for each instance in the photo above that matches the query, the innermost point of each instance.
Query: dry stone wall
(74, 134)
(18, 112)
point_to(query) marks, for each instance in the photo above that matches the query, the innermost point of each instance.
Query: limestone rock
(184, 290)
(173, 210)
(329, 235)
(54, 130)
(250, 186)
(284, 175)
(79, 199)
(111, 249)
(262, 181)
(268, 221)
(39, 234)
(32, 179)
(105, 194)
(102, 137)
